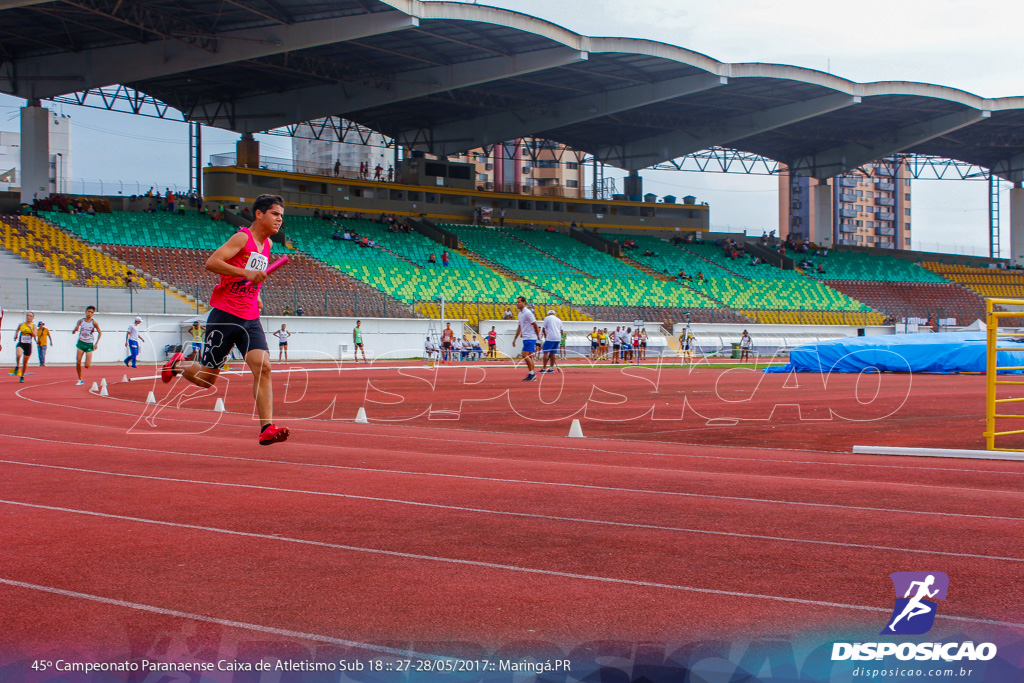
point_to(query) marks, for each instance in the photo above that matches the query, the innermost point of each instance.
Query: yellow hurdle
(992, 383)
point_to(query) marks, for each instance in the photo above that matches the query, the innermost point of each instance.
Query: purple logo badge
(916, 595)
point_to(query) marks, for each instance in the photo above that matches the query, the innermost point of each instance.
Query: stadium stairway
(548, 254)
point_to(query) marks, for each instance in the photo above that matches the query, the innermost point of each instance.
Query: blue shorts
(550, 347)
(529, 346)
(626, 347)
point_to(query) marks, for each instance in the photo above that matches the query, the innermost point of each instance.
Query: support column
(633, 186)
(1017, 223)
(822, 221)
(247, 151)
(35, 152)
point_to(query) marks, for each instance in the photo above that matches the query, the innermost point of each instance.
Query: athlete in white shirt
(552, 340)
(529, 331)
(282, 342)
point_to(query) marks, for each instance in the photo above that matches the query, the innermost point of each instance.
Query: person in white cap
(131, 340)
(552, 340)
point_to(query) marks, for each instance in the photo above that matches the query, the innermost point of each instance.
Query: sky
(974, 47)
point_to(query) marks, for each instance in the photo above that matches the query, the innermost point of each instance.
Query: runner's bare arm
(218, 261)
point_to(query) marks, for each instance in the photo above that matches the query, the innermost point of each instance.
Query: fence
(57, 295)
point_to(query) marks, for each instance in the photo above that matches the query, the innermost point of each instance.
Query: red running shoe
(273, 434)
(167, 373)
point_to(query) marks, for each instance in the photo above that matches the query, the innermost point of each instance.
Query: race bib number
(257, 261)
(26, 339)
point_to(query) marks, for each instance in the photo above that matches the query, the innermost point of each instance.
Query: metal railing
(58, 295)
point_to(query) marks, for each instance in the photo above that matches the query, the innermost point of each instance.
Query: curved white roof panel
(446, 77)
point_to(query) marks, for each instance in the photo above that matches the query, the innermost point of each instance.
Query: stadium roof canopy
(446, 77)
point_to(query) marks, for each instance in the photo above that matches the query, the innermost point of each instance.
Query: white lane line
(223, 622)
(491, 479)
(542, 572)
(363, 433)
(553, 518)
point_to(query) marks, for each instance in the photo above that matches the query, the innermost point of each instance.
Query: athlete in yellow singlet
(23, 337)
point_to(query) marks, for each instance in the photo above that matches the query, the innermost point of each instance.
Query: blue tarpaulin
(943, 353)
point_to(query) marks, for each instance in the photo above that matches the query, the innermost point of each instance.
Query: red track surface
(492, 528)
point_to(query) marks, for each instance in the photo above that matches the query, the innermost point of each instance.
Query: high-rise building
(60, 156)
(320, 156)
(528, 165)
(869, 207)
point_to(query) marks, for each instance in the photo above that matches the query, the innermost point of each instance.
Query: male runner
(235, 318)
(89, 334)
(131, 340)
(626, 349)
(746, 343)
(595, 339)
(196, 331)
(529, 330)
(553, 333)
(492, 343)
(357, 339)
(447, 337)
(23, 337)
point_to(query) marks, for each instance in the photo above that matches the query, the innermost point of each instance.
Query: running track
(117, 536)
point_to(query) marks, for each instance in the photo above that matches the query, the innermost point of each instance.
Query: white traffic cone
(218, 407)
(575, 431)
(103, 382)
(103, 390)
(151, 398)
(124, 378)
(95, 387)
(361, 416)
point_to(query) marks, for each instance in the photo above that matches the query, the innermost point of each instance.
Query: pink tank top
(235, 295)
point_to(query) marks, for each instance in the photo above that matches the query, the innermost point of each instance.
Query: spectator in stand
(476, 350)
(507, 315)
(432, 259)
(337, 168)
(336, 235)
(377, 173)
(444, 259)
(821, 268)
(700, 277)
(286, 311)
(347, 235)
(391, 174)
(298, 310)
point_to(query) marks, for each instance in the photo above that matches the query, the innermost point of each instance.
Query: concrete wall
(312, 338)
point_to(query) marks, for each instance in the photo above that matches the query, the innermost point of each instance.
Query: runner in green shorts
(89, 334)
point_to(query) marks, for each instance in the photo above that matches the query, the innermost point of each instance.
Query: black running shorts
(224, 332)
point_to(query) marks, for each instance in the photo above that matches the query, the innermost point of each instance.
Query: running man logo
(914, 612)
